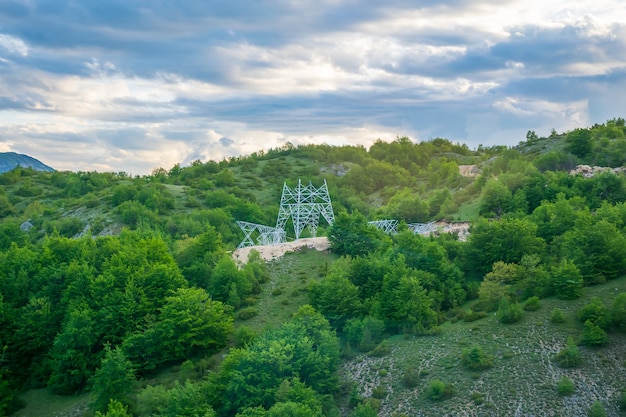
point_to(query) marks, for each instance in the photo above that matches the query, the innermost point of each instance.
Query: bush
(557, 316)
(569, 357)
(244, 336)
(594, 335)
(532, 304)
(597, 410)
(379, 392)
(565, 386)
(476, 359)
(509, 313)
(471, 316)
(382, 349)
(247, 313)
(410, 378)
(438, 390)
(596, 312)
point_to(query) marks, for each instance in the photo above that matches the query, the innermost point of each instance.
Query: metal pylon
(304, 205)
(267, 235)
(387, 226)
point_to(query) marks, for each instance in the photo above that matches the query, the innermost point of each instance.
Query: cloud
(123, 85)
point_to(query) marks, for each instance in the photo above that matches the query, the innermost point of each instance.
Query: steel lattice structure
(304, 205)
(387, 226)
(267, 235)
(422, 228)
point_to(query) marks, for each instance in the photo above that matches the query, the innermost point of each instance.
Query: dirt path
(271, 252)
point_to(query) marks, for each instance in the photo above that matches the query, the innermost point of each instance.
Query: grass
(288, 287)
(41, 402)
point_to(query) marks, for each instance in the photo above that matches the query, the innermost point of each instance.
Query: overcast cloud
(131, 85)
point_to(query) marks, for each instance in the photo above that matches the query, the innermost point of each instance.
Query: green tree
(506, 240)
(403, 304)
(579, 142)
(438, 390)
(364, 410)
(566, 280)
(594, 335)
(74, 353)
(351, 235)
(565, 386)
(496, 199)
(335, 296)
(618, 312)
(596, 312)
(190, 322)
(509, 313)
(113, 380)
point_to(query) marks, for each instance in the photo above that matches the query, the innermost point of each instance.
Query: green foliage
(618, 312)
(364, 333)
(557, 316)
(410, 377)
(509, 313)
(305, 348)
(579, 142)
(364, 410)
(565, 386)
(596, 313)
(403, 304)
(532, 304)
(621, 400)
(594, 335)
(475, 359)
(191, 322)
(438, 390)
(569, 357)
(335, 296)
(567, 280)
(113, 380)
(597, 410)
(115, 409)
(186, 399)
(351, 235)
(506, 240)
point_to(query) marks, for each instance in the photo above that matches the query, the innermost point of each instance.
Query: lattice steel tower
(304, 205)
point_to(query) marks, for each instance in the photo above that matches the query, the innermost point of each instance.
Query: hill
(11, 160)
(110, 281)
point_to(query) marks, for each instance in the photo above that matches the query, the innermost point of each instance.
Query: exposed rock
(588, 171)
(26, 226)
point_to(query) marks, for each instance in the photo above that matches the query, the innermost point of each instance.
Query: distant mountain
(10, 160)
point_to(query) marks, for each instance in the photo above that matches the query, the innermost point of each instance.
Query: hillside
(111, 281)
(11, 160)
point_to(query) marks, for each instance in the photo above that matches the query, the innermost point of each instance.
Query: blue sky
(131, 85)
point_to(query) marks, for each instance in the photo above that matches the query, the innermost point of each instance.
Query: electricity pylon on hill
(304, 205)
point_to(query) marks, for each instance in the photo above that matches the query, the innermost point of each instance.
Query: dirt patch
(271, 252)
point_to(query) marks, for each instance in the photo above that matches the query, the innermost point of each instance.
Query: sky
(133, 85)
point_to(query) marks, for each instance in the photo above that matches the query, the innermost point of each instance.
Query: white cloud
(13, 45)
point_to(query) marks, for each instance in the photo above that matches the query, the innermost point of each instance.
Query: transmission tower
(387, 226)
(304, 205)
(267, 235)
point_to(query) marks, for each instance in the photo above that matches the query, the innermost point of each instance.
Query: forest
(109, 281)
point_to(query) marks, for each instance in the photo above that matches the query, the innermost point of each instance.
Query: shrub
(382, 349)
(379, 392)
(364, 333)
(594, 335)
(509, 313)
(569, 357)
(597, 410)
(471, 316)
(596, 312)
(557, 316)
(438, 390)
(477, 398)
(476, 359)
(247, 313)
(410, 378)
(532, 304)
(244, 335)
(565, 386)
